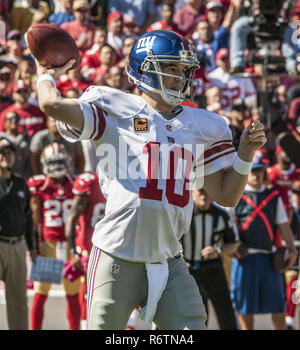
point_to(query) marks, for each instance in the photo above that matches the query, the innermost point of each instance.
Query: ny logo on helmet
(144, 44)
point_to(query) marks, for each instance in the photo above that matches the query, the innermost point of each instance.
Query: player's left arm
(227, 185)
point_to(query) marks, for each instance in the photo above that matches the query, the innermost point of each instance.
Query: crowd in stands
(104, 32)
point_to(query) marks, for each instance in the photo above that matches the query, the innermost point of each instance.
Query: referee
(211, 234)
(16, 236)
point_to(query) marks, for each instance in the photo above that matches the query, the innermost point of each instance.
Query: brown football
(51, 45)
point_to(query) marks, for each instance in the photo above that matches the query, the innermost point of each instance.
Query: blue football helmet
(154, 48)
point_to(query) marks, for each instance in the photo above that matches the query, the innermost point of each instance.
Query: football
(51, 45)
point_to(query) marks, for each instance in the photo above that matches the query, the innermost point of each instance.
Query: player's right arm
(36, 208)
(79, 204)
(53, 104)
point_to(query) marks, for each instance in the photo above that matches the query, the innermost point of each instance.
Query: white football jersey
(233, 87)
(146, 165)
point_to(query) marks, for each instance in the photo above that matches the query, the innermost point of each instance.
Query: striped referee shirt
(208, 228)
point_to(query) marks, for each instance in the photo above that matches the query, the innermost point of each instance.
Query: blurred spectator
(14, 49)
(81, 29)
(100, 38)
(203, 45)
(238, 42)
(5, 97)
(115, 30)
(232, 87)
(116, 78)
(130, 26)
(107, 59)
(221, 22)
(20, 142)
(72, 79)
(207, 44)
(91, 58)
(143, 11)
(128, 42)
(25, 14)
(32, 118)
(166, 22)
(238, 114)
(48, 136)
(214, 101)
(64, 15)
(282, 175)
(189, 15)
(25, 71)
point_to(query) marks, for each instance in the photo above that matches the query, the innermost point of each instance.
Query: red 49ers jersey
(56, 202)
(283, 181)
(88, 184)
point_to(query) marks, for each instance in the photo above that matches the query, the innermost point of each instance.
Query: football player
(147, 148)
(88, 206)
(51, 200)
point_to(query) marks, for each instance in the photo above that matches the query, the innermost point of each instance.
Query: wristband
(241, 166)
(45, 77)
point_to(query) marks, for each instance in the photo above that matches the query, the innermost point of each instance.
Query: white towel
(157, 275)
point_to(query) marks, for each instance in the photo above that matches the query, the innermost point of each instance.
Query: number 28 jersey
(56, 202)
(146, 165)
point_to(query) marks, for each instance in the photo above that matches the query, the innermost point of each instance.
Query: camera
(269, 19)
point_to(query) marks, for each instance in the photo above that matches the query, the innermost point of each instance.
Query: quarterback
(136, 256)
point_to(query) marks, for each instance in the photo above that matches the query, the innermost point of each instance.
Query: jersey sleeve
(281, 215)
(83, 183)
(219, 154)
(34, 184)
(94, 124)
(99, 104)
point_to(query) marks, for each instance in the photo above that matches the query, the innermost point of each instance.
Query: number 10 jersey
(146, 166)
